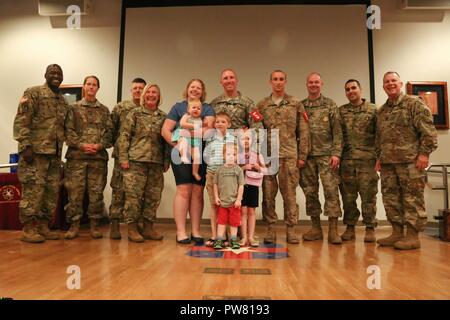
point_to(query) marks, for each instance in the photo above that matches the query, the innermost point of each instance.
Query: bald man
(39, 130)
(323, 160)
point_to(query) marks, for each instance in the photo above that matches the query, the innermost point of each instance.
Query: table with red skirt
(10, 195)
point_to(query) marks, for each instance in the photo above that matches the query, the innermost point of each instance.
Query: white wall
(414, 43)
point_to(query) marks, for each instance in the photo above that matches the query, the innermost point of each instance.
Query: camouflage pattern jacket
(325, 127)
(405, 129)
(39, 121)
(118, 116)
(88, 122)
(238, 109)
(358, 129)
(291, 120)
(140, 137)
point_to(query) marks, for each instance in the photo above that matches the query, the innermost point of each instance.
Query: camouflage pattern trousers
(402, 186)
(143, 183)
(288, 175)
(320, 166)
(359, 176)
(118, 192)
(40, 185)
(82, 175)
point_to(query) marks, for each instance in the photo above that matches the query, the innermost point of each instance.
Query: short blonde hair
(148, 86)
(194, 102)
(203, 97)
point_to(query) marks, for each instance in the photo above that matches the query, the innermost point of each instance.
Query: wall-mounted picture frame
(72, 92)
(435, 95)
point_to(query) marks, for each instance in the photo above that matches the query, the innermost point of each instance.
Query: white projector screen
(171, 45)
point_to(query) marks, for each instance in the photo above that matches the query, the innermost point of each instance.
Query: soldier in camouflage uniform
(144, 157)
(240, 110)
(118, 115)
(88, 135)
(233, 103)
(39, 130)
(357, 167)
(285, 113)
(323, 160)
(405, 139)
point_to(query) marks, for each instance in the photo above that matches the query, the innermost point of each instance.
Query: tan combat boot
(115, 230)
(72, 233)
(149, 233)
(271, 235)
(30, 234)
(44, 231)
(370, 235)
(349, 233)
(133, 233)
(291, 236)
(411, 241)
(333, 236)
(397, 235)
(95, 231)
(315, 233)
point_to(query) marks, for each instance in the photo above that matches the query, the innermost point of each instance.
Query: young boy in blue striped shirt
(213, 156)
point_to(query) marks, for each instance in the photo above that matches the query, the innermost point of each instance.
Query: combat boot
(95, 231)
(315, 233)
(115, 230)
(291, 236)
(133, 233)
(349, 233)
(370, 235)
(411, 241)
(397, 235)
(271, 235)
(333, 236)
(30, 234)
(72, 233)
(44, 231)
(149, 233)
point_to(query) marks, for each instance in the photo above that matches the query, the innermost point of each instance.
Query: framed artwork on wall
(435, 95)
(72, 92)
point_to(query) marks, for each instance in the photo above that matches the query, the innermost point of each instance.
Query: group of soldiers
(344, 146)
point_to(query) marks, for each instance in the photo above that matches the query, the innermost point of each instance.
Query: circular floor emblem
(268, 251)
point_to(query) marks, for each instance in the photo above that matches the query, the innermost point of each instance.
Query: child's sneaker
(254, 243)
(235, 244)
(218, 244)
(243, 242)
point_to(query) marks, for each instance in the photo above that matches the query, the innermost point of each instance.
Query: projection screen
(171, 45)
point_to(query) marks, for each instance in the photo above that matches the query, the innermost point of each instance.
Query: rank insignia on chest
(256, 116)
(305, 116)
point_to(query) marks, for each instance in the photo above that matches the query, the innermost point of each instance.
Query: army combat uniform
(118, 115)
(326, 141)
(294, 143)
(239, 109)
(405, 130)
(142, 146)
(39, 124)
(86, 123)
(357, 168)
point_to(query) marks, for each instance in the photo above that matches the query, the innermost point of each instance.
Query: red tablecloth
(10, 195)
